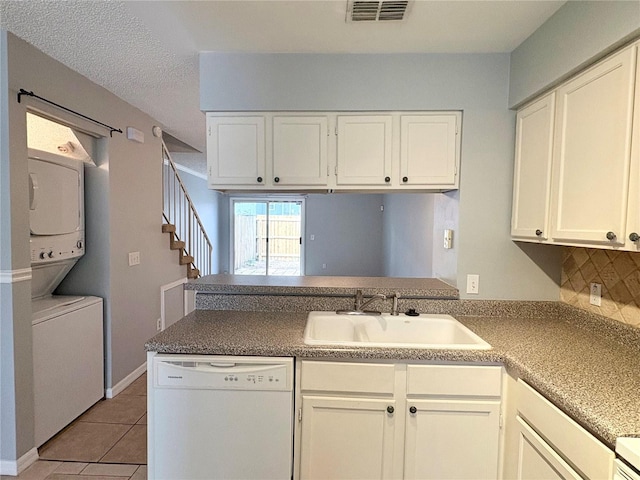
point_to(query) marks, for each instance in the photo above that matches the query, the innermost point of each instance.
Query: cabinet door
(593, 151)
(364, 150)
(537, 460)
(236, 151)
(532, 170)
(428, 153)
(346, 438)
(300, 150)
(452, 439)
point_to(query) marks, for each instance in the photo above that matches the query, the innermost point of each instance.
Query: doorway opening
(267, 236)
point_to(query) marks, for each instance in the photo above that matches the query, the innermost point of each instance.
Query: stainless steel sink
(386, 330)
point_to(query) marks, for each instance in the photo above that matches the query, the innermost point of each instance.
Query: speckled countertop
(588, 369)
(310, 285)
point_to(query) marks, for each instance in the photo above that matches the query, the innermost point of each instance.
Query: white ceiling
(146, 52)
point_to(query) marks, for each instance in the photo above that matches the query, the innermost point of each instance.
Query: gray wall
(445, 216)
(408, 234)
(123, 214)
(477, 84)
(348, 235)
(16, 365)
(577, 34)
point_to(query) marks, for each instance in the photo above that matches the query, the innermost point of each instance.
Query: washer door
(54, 198)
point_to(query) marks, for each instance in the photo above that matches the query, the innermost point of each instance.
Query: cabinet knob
(387, 179)
(538, 233)
(405, 179)
(611, 236)
(277, 179)
(259, 179)
(413, 409)
(390, 409)
(634, 237)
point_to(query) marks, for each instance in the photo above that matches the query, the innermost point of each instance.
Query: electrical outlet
(159, 324)
(312, 237)
(595, 296)
(134, 258)
(324, 265)
(473, 281)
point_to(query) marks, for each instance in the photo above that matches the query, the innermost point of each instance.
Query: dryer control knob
(50, 254)
(79, 244)
(43, 255)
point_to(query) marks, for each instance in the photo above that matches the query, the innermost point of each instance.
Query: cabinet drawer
(348, 377)
(464, 380)
(577, 446)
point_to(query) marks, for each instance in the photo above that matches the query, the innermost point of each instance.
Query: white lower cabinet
(452, 439)
(553, 446)
(537, 460)
(347, 438)
(380, 420)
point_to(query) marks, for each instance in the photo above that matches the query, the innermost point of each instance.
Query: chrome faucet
(360, 306)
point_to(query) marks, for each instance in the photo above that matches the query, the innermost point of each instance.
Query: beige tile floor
(108, 442)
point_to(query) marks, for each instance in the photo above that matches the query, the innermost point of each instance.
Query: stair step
(186, 259)
(168, 228)
(192, 272)
(177, 245)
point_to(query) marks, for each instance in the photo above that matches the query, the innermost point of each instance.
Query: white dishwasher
(220, 417)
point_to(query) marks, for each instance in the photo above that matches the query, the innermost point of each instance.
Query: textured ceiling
(108, 44)
(146, 52)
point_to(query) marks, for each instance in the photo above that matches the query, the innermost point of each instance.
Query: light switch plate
(134, 258)
(448, 239)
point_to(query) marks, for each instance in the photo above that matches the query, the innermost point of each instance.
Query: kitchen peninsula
(584, 364)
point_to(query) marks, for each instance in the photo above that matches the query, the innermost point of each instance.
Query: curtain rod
(31, 94)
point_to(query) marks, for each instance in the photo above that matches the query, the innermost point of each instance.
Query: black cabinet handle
(405, 179)
(413, 409)
(259, 179)
(634, 237)
(538, 233)
(387, 179)
(390, 409)
(611, 236)
(277, 179)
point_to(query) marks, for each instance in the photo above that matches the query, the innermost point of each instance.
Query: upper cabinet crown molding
(327, 151)
(578, 160)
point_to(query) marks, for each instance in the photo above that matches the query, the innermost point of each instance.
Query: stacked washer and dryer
(68, 351)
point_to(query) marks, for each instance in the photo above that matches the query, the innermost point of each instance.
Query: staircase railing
(178, 210)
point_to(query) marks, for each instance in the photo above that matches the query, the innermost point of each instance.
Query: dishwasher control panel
(223, 374)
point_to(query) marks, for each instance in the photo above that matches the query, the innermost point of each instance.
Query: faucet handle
(358, 299)
(394, 308)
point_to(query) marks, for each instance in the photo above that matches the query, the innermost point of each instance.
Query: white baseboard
(126, 381)
(14, 468)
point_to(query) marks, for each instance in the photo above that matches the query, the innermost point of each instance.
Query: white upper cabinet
(532, 170)
(236, 151)
(300, 150)
(326, 151)
(429, 150)
(593, 152)
(583, 131)
(364, 150)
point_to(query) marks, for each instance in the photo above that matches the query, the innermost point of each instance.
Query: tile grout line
(116, 442)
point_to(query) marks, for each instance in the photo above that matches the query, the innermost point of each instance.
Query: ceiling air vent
(376, 11)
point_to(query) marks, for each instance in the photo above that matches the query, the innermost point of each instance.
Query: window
(267, 236)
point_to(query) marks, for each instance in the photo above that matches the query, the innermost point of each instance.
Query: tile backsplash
(617, 272)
